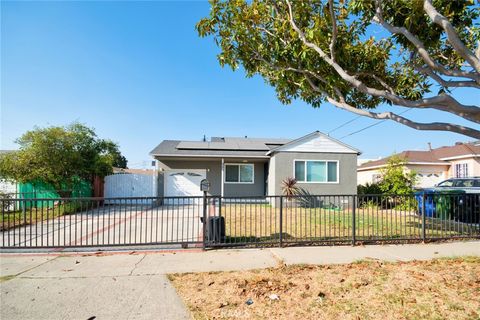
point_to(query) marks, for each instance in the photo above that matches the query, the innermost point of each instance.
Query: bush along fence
(212, 221)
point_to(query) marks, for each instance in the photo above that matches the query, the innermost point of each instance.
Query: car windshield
(447, 183)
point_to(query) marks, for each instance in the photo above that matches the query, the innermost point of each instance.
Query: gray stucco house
(256, 166)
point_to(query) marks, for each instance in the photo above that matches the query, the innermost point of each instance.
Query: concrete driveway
(111, 225)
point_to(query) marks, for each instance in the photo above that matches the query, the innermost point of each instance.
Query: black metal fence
(237, 221)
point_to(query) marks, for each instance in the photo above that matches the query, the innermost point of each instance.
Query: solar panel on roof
(228, 145)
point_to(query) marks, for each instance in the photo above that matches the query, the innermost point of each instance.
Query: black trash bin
(470, 208)
(216, 230)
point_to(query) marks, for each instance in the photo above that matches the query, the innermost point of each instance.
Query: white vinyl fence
(121, 185)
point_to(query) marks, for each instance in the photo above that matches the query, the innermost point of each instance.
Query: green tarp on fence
(42, 190)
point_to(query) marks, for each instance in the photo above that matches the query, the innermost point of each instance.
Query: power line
(372, 125)
(343, 125)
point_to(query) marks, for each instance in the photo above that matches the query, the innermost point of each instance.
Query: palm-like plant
(289, 187)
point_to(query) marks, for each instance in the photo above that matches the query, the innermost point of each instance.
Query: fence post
(24, 205)
(204, 220)
(354, 207)
(424, 236)
(281, 221)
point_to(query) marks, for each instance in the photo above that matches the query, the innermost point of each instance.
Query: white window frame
(239, 164)
(463, 172)
(318, 182)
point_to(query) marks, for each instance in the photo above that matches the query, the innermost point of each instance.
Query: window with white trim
(461, 170)
(239, 173)
(316, 171)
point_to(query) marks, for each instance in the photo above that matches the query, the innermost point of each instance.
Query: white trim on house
(326, 168)
(315, 142)
(461, 157)
(207, 156)
(406, 163)
(240, 182)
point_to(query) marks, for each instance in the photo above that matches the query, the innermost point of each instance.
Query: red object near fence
(98, 187)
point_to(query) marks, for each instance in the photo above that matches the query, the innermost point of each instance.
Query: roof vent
(458, 143)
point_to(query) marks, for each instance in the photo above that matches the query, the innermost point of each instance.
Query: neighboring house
(256, 167)
(7, 186)
(432, 166)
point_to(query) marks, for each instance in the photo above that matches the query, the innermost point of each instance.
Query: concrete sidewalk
(133, 285)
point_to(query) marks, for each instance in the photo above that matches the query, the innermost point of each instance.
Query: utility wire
(343, 125)
(372, 125)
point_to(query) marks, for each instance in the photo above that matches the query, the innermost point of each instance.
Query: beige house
(432, 166)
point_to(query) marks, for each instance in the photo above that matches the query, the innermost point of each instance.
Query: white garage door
(183, 183)
(429, 179)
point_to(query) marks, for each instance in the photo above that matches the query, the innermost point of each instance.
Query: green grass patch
(31, 215)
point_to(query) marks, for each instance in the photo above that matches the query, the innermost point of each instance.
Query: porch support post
(222, 184)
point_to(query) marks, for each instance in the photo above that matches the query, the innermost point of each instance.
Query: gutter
(207, 156)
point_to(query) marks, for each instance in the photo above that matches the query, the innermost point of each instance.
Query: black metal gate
(91, 222)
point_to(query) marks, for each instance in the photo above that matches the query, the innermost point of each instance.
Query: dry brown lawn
(437, 289)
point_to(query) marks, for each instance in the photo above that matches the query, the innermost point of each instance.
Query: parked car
(467, 184)
(453, 199)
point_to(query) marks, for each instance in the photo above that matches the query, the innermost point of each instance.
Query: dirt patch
(6, 278)
(437, 289)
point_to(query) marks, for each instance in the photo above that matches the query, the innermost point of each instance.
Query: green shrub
(369, 188)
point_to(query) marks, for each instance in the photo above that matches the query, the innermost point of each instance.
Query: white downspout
(223, 179)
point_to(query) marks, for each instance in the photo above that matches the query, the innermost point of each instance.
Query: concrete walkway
(133, 285)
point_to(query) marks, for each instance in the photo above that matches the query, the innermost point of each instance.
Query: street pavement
(134, 284)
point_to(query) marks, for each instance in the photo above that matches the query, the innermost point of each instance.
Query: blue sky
(138, 73)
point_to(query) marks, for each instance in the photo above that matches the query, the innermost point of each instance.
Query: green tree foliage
(395, 179)
(369, 188)
(356, 54)
(60, 156)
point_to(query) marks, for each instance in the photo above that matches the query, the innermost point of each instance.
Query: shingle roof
(459, 149)
(231, 147)
(195, 148)
(433, 156)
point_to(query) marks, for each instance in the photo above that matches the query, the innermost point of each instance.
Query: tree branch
(334, 30)
(378, 79)
(272, 35)
(301, 71)
(443, 102)
(420, 48)
(452, 35)
(446, 83)
(434, 126)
